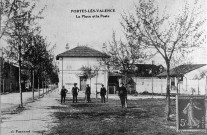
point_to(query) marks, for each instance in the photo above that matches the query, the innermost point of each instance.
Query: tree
(166, 34)
(34, 55)
(123, 56)
(88, 72)
(7, 10)
(20, 30)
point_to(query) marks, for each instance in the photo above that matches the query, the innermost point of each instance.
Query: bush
(145, 92)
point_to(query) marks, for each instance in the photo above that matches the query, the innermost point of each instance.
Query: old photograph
(113, 67)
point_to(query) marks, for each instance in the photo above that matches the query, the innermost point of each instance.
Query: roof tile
(181, 70)
(82, 51)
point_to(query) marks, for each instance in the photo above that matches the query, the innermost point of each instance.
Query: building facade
(81, 65)
(188, 79)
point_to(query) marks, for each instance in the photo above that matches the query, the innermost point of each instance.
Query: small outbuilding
(188, 79)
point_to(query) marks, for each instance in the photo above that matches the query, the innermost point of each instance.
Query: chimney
(67, 46)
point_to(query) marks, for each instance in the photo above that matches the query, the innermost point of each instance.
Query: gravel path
(34, 119)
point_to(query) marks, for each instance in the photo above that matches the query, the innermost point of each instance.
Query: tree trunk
(20, 88)
(43, 88)
(168, 92)
(96, 86)
(33, 85)
(38, 86)
(177, 85)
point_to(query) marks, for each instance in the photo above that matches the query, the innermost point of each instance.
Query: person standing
(122, 94)
(103, 93)
(88, 93)
(63, 94)
(75, 91)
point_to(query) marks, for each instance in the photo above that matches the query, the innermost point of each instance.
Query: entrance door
(83, 81)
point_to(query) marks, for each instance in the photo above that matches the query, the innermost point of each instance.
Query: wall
(72, 72)
(192, 81)
(145, 84)
(186, 86)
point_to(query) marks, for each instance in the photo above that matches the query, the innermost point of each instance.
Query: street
(35, 118)
(11, 101)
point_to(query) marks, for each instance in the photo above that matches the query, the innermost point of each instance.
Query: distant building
(188, 79)
(142, 78)
(9, 80)
(71, 63)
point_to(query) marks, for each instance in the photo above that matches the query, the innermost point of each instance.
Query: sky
(61, 26)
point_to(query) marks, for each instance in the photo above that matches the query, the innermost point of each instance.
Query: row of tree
(27, 48)
(150, 31)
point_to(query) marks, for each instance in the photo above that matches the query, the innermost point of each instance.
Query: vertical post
(198, 87)
(1, 51)
(1, 14)
(3, 85)
(43, 87)
(161, 85)
(33, 85)
(38, 86)
(206, 86)
(107, 84)
(152, 77)
(96, 84)
(1, 62)
(62, 72)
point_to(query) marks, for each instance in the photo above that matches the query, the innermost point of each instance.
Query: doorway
(83, 82)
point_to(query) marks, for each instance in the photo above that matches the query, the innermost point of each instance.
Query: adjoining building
(188, 79)
(9, 77)
(81, 65)
(142, 78)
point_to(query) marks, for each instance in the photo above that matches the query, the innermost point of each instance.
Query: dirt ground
(142, 117)
(46, 116)
(35, 118)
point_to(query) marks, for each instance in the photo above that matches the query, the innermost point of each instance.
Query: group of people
(122, 92)
(75, 91)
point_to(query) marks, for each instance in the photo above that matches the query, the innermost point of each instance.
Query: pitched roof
(82, 51)
(181, 70)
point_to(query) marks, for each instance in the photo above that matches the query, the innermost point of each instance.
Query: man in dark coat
(75, 91)
(122, 94)
(103, 93)
(88, 93)
(63, 94)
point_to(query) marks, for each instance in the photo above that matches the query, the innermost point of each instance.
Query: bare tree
(164, 33)
(20, 30)
(123, 56)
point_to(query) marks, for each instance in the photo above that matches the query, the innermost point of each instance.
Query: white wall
(185, 87)
(191, 81)
(145, 84)
(71, 73)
